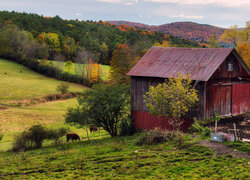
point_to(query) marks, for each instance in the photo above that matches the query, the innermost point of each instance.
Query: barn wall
(240, 98)
(222, 89)
(139, 87)
(219, 100)
(143, 120)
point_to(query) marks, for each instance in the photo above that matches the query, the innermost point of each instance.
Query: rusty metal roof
(164, 62)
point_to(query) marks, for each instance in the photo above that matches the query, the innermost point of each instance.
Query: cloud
(129, 3)
(78, 14)
(182, 16)
(146, 16)
(229, 3)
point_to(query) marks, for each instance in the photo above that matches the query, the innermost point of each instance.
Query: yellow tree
(52, 40)
(240, 39)
(163, 44)
(172, 98)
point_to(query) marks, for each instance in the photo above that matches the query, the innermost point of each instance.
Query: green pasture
(121, 158)
(77, 68)
(51, 114)
(17, 86)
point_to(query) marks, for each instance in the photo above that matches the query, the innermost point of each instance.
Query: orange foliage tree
(122, 61)
(94, 71)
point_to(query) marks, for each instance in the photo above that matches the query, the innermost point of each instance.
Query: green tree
(104, 53)
(120, 64)
(104, 106)
(172, 98)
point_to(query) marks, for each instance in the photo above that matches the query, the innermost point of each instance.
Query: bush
(33, 137)
(55, 134)
(127, 127)
(63, 88)
(1, 137)
(157, 136)
(198, 127)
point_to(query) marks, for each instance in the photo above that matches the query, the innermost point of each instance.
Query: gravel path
(223, 149)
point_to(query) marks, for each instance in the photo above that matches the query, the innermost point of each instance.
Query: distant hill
(187, 30)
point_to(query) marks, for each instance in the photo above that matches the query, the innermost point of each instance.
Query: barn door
(219, 100)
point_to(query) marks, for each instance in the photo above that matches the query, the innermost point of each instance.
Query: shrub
(198, 127)
(63, 88)
(127, 127)
(1, 137)
(157, 136)
(34, 136)
(55, 134)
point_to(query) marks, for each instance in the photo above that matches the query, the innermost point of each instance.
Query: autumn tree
(52, 40)
(120, 64)
(93, 71)
(164, 43)
(172, 98)
(240, 39)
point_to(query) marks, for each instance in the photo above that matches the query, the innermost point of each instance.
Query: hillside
(70, 36)
(187, 30)
(17, 87)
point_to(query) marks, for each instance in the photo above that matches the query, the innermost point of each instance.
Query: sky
(222, 13)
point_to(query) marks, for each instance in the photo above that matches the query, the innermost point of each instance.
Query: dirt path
(223, 149)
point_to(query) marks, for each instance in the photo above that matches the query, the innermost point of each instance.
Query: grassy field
(120, 158)
(16, 86)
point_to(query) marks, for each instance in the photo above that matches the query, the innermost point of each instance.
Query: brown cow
(93, 129)
(73, 137)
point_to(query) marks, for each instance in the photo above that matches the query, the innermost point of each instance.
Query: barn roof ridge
(164, 62)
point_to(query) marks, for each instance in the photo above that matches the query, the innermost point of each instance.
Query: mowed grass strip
(16, 85)
(120, 158)
(77, 68)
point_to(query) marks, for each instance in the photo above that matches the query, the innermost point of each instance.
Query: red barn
(222, 77)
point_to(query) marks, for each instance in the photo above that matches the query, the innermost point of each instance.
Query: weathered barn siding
(223, 75)
(218, 100)
(143, 120)
(139, 87)
(240, 98)
(219, 89)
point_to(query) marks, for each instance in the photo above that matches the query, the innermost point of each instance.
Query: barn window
(230, 66)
